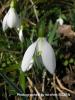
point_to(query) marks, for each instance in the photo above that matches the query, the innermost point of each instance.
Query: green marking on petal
(39, 53)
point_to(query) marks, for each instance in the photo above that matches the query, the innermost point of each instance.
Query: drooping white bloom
(11, 19)
(21, 35)
(4, 24)
(60, 21)
(46, 52)
(28, 56)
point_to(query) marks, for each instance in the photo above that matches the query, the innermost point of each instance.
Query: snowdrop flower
(21, 34)
(11, 19)
(60, 21)
(46, 53)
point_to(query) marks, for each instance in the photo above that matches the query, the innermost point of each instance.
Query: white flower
(46, 52)
(60, 21)
(21, 35)
(4, 24)
(11, 19)
(28, 56)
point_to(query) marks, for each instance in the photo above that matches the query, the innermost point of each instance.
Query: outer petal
(13, 18)
(47, 54)
(4, 23)
(28, 56)
(21, 35)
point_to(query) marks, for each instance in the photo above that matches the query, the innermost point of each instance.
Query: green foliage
(52, 33)
(41, 28)
(12, 50)
(22, 81)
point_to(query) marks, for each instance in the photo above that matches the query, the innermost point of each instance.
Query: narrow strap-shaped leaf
(12, 84)
(22, 80)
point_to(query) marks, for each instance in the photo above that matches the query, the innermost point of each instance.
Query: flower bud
(60, 21)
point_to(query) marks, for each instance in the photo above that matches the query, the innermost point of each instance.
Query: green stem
(13, 3)
(41, 28)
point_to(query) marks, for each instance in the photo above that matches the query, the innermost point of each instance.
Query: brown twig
(66, 31)
(30, 22)
(4, 7)
(31, 91)
(70, 81)
(43, 83)
(34, 8)
(57, 87)
(54, 76)
(62, 87)
(31, 84)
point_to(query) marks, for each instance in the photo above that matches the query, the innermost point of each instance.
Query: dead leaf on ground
(66, 30)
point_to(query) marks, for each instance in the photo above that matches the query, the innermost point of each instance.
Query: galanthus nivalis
(60, 21)
(46, 53)
(21, 34)
(11, 19)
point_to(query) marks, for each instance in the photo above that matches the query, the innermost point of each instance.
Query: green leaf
(11, 68)
(66, 62)
(41, 28)
(50, 26)
(71, 60)
(13, 85)
(7, 80)
(52, 32)
(63, 17)
(22, 80)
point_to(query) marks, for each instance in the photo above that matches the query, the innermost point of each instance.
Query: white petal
(13, 18)
(60, 21)
(4, 23)
(31, 64)
(47, 54)
(21, 35)
(28, 56)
